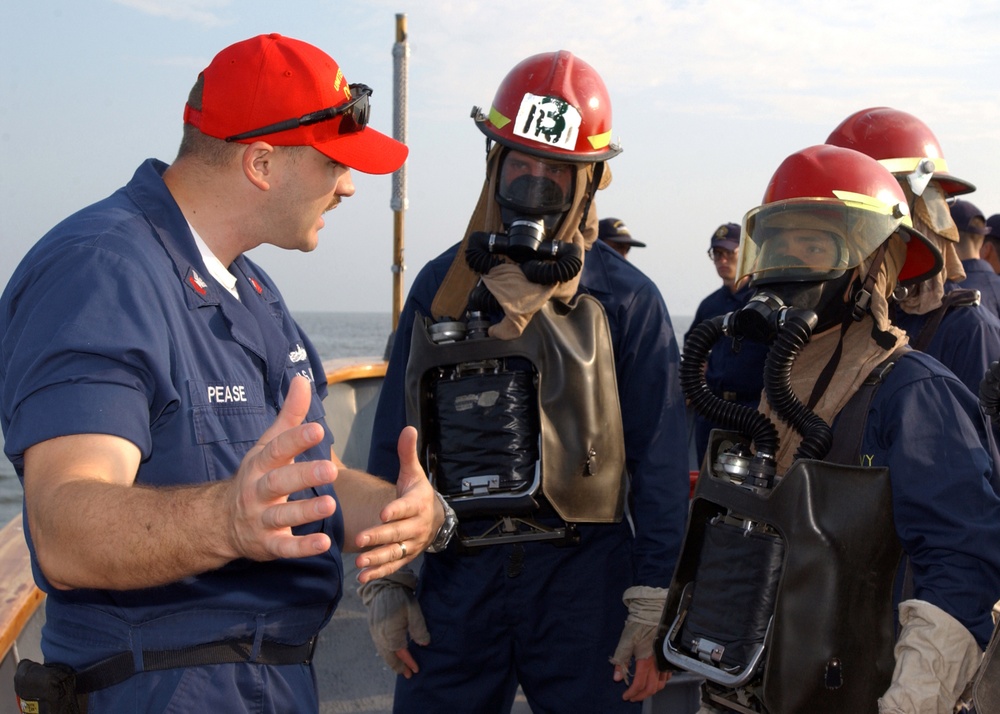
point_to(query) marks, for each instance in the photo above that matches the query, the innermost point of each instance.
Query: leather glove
(393, 612)
(645, 606)
(935, 658)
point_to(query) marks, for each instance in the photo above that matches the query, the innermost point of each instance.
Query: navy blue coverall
(111, 325)
(544, 616)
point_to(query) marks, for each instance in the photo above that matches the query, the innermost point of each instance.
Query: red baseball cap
(270, 79)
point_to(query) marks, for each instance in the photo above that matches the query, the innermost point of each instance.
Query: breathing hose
(478, 255)
(795, 333)
(731, 415)
(567, 263)
(561, 261)
(482, 300)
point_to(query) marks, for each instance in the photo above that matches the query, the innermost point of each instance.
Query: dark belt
(118, 668)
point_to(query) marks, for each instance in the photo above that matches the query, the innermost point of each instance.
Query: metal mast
(400, 65)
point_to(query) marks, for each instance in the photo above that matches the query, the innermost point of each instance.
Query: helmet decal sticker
(547, 120)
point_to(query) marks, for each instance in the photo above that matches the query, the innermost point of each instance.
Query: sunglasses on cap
(355, 113)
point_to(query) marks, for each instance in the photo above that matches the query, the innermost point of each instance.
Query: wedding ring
(402, 546)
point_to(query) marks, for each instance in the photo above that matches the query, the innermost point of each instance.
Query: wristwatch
(447, 529)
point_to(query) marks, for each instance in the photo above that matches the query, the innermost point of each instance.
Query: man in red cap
(164, 411)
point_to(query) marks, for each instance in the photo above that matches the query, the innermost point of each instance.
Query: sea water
(335, 335)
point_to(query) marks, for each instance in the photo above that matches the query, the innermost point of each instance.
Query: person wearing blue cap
(990, 252)
(979, 274)
(616, 234)
(734, 372)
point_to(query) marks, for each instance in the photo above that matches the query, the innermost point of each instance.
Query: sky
(708, 97)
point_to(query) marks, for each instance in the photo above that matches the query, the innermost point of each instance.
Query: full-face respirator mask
(534, 196)
(801, 257)
(771, 306)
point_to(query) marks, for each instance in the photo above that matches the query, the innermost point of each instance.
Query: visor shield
(933, 210)
(815, 238)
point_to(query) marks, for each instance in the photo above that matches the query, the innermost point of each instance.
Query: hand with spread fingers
(408, 513)
(262, 515)
(248, 516)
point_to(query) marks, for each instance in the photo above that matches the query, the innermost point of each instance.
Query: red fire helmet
(903, 144)
(849, 201)
(552, 105)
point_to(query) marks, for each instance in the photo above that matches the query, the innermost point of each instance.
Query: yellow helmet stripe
(895, 209)
(600, 141)
(901, 166)
(497, 119)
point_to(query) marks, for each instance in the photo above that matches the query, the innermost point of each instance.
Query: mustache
(333, 204)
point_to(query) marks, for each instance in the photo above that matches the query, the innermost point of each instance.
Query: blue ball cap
(963, 213)
(726, 236)
(614, 230)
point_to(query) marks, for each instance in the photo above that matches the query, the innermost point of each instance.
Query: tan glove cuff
(645, 604)
(394, 615)
(404, 578)
(936, 656)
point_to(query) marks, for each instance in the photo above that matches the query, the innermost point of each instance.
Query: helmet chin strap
(861, 298)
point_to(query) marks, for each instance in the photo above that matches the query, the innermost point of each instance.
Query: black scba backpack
(511, 430)
(783, 597)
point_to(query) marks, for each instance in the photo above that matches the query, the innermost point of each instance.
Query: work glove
(393, 612)
(936, 656)
(645, 606)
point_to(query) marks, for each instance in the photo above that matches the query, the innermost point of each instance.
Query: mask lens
(535, 186)
(932, 209)
(803, 251)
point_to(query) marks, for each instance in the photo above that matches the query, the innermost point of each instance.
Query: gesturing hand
(261, 516)
(410, 521)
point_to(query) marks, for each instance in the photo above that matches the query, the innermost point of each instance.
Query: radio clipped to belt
(507, 434)
(54, 688)
(46, 689)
